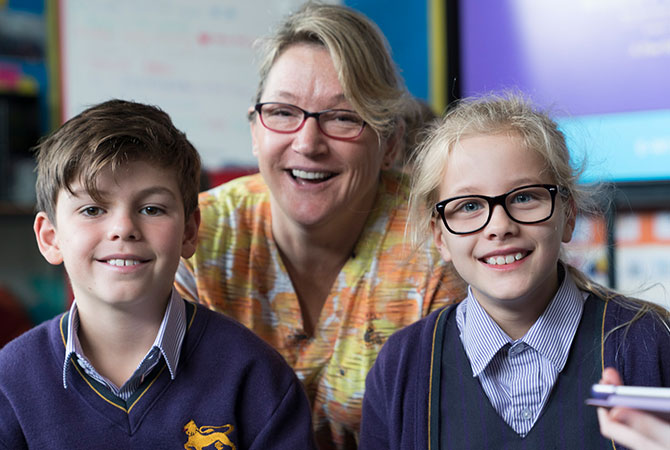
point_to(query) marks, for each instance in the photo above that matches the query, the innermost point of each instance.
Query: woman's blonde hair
(506, 113)
(360, 54)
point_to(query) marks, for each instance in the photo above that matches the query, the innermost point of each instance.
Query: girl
(511, 365)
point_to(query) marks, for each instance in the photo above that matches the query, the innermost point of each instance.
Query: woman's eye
(282, 112)
(347, 117)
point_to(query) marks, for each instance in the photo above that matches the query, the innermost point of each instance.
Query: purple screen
(584, 56)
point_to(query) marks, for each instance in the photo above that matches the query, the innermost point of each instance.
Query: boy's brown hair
(112, 134)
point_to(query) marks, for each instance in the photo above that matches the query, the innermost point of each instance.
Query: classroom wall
(42, 287)
(405, 25)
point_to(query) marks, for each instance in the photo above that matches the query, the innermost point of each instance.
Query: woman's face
(315, 180)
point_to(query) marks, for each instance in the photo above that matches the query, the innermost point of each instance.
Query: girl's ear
(438, 237)
(47, 239)
(571, 218)
(190, 239)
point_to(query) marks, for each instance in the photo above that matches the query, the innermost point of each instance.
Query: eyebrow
(336, 99)
(467, 190)
(153, 190)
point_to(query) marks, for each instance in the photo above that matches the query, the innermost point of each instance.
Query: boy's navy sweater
(231, 390)
(420, 394)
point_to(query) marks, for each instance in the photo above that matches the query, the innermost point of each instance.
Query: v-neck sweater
(230, 388)
(403, 399)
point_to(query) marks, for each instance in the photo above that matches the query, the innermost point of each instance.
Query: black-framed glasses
(342, 124)
(530, 204)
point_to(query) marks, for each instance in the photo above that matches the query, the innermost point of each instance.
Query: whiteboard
(192, 58)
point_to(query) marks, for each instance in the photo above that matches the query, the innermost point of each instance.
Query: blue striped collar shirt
(517, 376)
(167, 344)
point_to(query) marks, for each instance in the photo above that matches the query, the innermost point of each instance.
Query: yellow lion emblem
(202, 437)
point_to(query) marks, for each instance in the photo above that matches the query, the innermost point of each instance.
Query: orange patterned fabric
(383, 287)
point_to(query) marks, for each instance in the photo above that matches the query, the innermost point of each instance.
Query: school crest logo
(200, 438)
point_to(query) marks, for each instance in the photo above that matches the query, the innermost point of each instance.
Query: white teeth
(122, 262)
(309, 175)
(507, 259)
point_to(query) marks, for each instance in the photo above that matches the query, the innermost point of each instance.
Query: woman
(310, 253)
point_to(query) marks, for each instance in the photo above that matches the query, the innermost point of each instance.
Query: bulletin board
(642, 263)
(641, 248)
(193, 58)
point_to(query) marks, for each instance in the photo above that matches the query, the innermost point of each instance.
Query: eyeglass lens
(525, 205)
(287, 118)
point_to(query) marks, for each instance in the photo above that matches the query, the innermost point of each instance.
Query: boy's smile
(123, 249)
(510, 266)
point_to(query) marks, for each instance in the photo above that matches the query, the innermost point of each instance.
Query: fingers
(611, 376)
(640, 431)
(647, 424)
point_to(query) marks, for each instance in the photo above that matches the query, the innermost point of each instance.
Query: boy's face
(492, 165)
(125, 249)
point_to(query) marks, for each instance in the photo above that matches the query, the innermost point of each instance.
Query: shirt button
(526, 414)
(516, 350)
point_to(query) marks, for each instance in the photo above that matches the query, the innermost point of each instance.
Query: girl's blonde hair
(505, 113)
(360, 54)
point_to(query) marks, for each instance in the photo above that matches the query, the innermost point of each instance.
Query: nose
(500, 225)
(309, 140)
(123, 226)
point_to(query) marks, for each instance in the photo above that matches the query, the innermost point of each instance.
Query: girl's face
(492, 165)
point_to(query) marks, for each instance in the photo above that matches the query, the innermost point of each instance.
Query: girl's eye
(92, 211)
(152, 210)
(465, 206)
(523, 197)
(470, 206)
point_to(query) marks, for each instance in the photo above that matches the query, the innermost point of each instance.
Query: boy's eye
(151, 210)
(92, 211)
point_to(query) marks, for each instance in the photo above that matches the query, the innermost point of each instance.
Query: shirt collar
(168, 340)
(551, 335)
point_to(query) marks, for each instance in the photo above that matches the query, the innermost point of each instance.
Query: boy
(132, 365)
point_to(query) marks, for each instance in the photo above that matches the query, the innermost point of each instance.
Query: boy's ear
(571, 219)
(190, 239)
(47, 241)
(438, 238)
